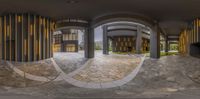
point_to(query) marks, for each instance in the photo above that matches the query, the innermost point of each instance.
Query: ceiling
(172, 15)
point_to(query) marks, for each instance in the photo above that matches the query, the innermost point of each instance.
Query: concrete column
(89, 42)
(155, 43)
(139, 40)
(166, 45)
(105, 41)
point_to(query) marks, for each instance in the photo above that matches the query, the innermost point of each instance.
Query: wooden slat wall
(26, 37)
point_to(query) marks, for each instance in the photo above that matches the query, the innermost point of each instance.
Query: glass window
(70, 48)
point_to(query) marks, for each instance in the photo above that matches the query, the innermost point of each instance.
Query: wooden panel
(1, 38)
(34, 37)
(16, 47)
(5, 37)
(26, 37)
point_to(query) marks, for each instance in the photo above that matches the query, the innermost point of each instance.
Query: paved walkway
(165, 78)
(70, 62)
(103, 71)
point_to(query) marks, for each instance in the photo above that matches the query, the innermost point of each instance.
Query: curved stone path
(104, 71)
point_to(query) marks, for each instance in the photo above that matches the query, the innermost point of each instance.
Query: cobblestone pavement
(170, 77)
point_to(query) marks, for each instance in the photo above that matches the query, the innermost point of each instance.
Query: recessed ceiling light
(72, 1)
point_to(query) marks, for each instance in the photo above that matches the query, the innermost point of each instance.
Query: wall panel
(26, 37)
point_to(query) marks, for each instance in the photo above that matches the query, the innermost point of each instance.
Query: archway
(151, 24)
(70, 44)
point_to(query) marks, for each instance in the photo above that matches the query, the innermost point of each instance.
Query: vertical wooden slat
(34, 34)
(16, 47)
(1, 37)
(47, 32)
(191, 37)
(22, 23)
(51, 47)
(10, 36)
(39, 36)
(5, 38)
(25, 47)
(28, 37)
(44, 37)
(197, 30)
(193, 33)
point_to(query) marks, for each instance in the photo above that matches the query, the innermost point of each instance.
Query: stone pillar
(155, 43)
(89, 42)
(139, 40)
(105, 41)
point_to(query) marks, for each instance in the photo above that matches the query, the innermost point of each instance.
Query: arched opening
(69, 44)
(152, 27)
(122, 37)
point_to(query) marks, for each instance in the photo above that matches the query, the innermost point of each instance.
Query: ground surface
(170, 77)
(69, 62)
(108, 68)
(41, 68)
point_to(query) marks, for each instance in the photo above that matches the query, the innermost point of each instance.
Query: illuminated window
(70, 48)
(57, 48)
(19, 18)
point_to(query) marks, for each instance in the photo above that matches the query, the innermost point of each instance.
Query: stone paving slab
(107, 69)
(164, 78)
(29, 76)
(104, 71)
(40, 68)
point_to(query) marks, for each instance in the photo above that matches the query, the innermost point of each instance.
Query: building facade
(66, 41)
(26, 37)
(189, 40)
(126, 37)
